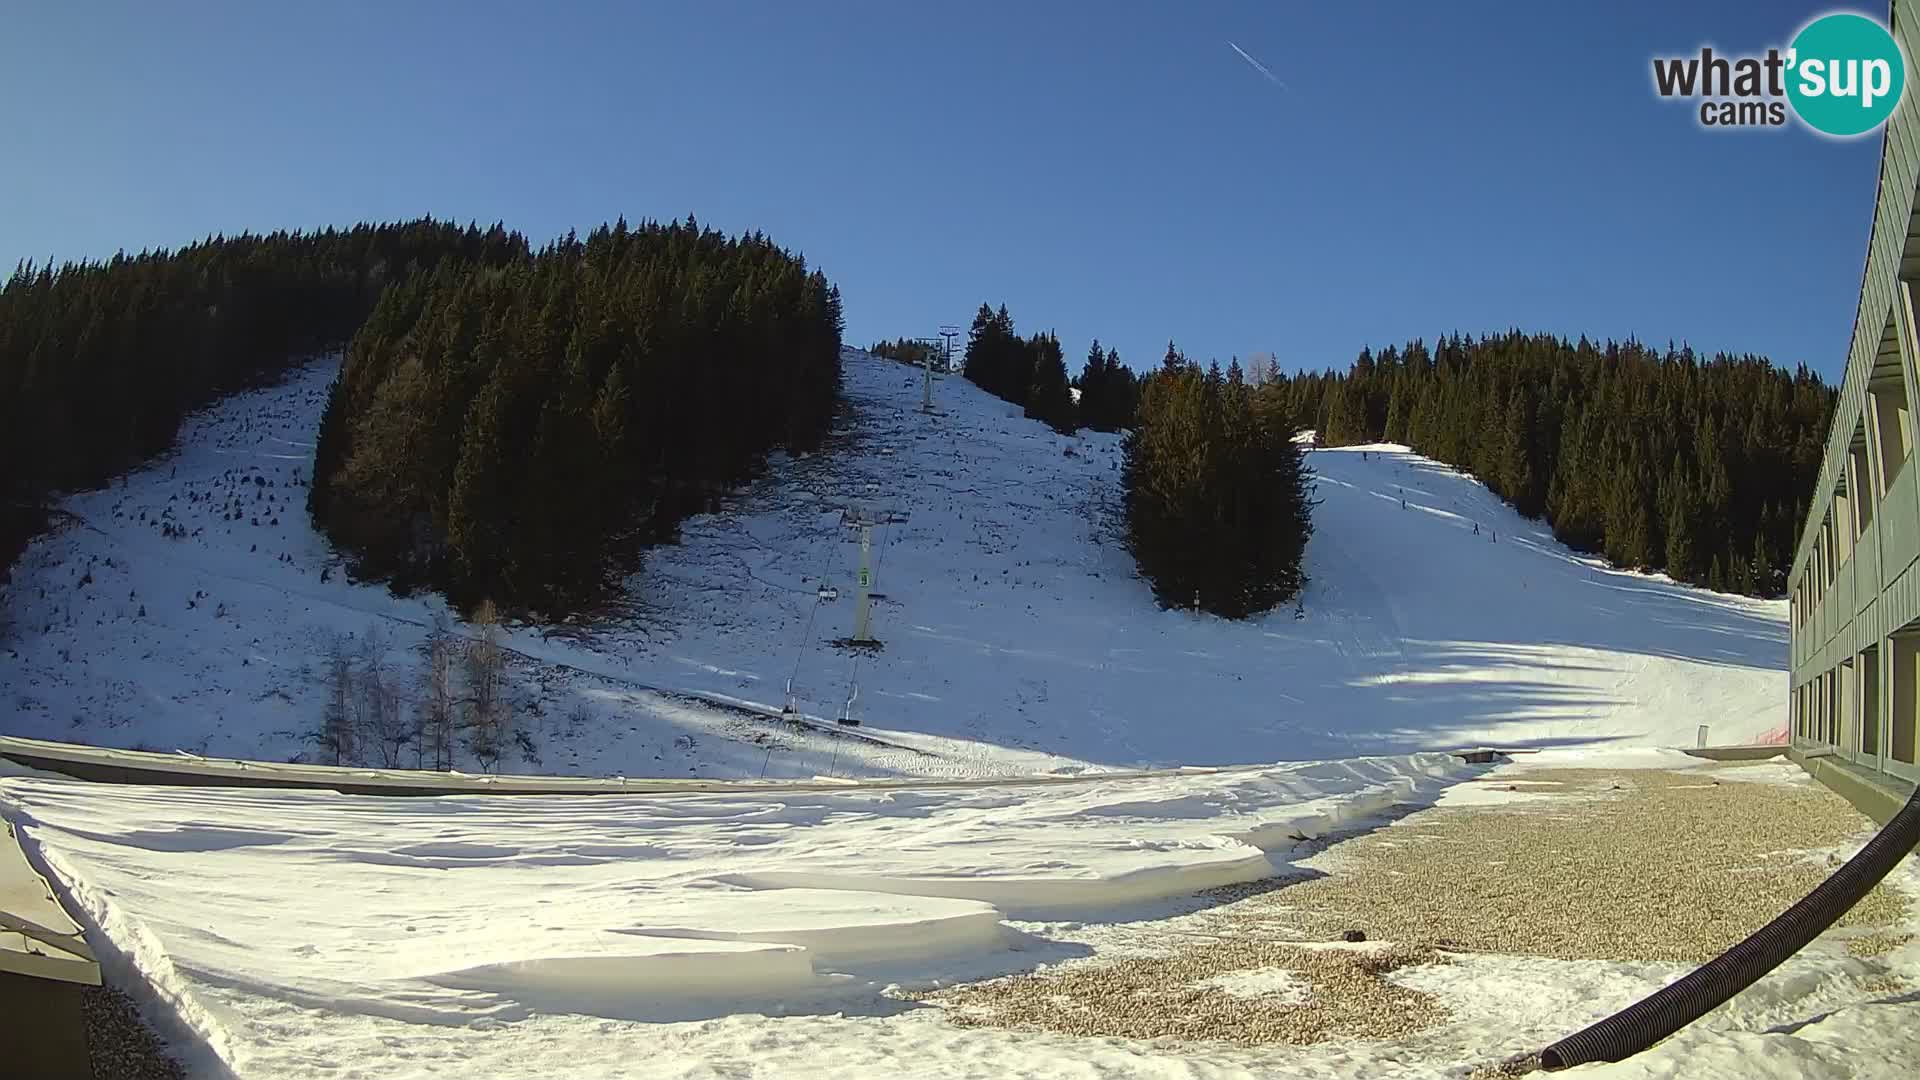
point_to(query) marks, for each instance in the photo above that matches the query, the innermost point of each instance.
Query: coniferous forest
(1029, 372)
(99, 361)
(907, 351)
(506, 421)
(1032, 373)
(1218, 507)
(1108, 389)
(1656, 459)
(1217, 512)
(517, 432)
(511, 423)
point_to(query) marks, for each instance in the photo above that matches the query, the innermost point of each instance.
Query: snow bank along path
(498, 935)
(1017, 638)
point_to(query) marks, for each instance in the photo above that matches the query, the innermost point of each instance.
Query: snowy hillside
(189, 606)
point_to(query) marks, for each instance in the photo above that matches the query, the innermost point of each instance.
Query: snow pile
(501, 934)
(308, 934)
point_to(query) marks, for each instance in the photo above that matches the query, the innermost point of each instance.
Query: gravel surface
(1872, 945)
(119, 1043)
(1631, 865)
(1150, 998)
(1611, 865)
(1883, 984)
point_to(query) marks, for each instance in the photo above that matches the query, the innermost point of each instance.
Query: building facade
(1854, 638)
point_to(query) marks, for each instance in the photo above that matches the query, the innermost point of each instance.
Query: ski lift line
(806, 637)
(853, 671)
(806, 642)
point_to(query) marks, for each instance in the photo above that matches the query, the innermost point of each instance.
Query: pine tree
(1123, 389)
(1048, 399)
(1521, 483)
(1396, 431)
(982, 349)
(1215, 492)
(1764, 577)
(1682, 548)
(1175, 361)
(1089, 382)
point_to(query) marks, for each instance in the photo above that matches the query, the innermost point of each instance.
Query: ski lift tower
(927, 346)
(865, 518)
(947, 334)
(863, 608)
(926, 368)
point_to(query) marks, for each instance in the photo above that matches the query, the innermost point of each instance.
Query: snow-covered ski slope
(1017, 638)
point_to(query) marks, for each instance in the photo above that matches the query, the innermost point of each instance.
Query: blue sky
(1106, 169)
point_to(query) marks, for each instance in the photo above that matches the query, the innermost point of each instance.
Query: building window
(1825, 705)
(1833, 548)
(1905, 657)
(1846, 702)
(1836, 701)
(1887, 393)
(1859, 480)
(1870, 701)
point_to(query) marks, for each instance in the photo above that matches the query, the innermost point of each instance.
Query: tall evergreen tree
(1123, 392)
(1217, 505)
(1683, 548)
(1048, 398)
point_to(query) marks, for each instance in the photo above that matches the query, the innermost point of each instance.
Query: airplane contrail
(1257, 66)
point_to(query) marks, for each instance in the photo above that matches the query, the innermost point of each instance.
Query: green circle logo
(1845, 74)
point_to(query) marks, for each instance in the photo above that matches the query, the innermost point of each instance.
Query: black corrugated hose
(1646, 1022)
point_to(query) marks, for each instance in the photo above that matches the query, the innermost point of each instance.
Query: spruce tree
(1764, 577)
(1215, 492)
(1123, 388)
(1093, 388)
(1047, 397)
(1397, 418)
(1521, 483)
(1683, 552)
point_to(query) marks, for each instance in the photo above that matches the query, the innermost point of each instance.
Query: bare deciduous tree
(486, 712)
(337, 723)
(382, 710)
(436, 712)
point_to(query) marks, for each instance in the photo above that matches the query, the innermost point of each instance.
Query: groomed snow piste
(1017, 638)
